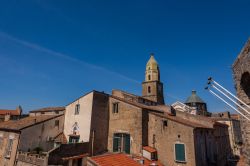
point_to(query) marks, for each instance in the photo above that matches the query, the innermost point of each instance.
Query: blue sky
(52, 52)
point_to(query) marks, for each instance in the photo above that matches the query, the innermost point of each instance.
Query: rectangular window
(180, 153)
(116, 144)
(77, 109)
(56, 123)
(115, 108)
(9, 148)
(121, 143)
(1, 142)
(165, 123)
(74, 139)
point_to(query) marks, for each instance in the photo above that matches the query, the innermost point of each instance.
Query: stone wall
(7, 159)
(26, 159)
(99, 123)
(40, 135)
(167, 136)
(128, 120)
(241, 67)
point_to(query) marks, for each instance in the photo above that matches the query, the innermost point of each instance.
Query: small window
(149, 77)
(180, 155)
(1, 142)
(149, 89)
(115, 108)
(9, 148)
(77, 109)
(74, 139)
(56, 123)
(56, 112)
(165, 123)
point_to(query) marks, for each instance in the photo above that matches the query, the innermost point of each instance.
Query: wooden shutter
(127, 143)
(180, 152)
(116, 143)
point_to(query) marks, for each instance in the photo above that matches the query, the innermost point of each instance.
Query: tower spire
(152, 87)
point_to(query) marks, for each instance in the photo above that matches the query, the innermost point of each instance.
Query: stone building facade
(28, 135)
(241, 73)
(179, 137)
(8, 146)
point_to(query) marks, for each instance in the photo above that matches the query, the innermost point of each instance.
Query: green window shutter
(115, 144)
(180, 152)
(127, 144)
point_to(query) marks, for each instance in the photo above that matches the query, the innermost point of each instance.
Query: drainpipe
(92, 142)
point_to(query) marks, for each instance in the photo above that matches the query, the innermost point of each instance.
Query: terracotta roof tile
(149, 149)
(26, 122)
(114, 160)
(149, 162)
(184, 121)
(48, 109)
(11, 112)
(158, 108)
(61, 138)
(121, 159)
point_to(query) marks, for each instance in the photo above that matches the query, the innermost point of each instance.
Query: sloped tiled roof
(68, 151)
(26, 122)
(61, 138)
(48, 109)
(149, 149)
(158, 108)
(121, 159)
(114, 160)
(10, 112)
(184, 121)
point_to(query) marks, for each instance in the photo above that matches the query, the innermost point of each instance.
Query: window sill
(7, 157)
(177, 161)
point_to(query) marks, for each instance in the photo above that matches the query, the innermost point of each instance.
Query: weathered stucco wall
(166, 137)
(5, 136)
(99, 123)
(40, 135)
(127, 120)
(83, 119)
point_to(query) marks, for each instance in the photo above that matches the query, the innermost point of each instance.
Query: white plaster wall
(83, 119)
(146, 154)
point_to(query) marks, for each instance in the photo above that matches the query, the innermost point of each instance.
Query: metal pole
(230, 99)
(228, 104)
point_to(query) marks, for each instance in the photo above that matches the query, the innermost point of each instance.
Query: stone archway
(245, 83)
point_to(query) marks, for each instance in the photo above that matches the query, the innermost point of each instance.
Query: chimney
(7, 117)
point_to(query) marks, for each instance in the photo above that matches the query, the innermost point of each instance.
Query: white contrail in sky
(63, 56)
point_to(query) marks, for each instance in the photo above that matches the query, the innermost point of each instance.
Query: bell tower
(152, 88)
